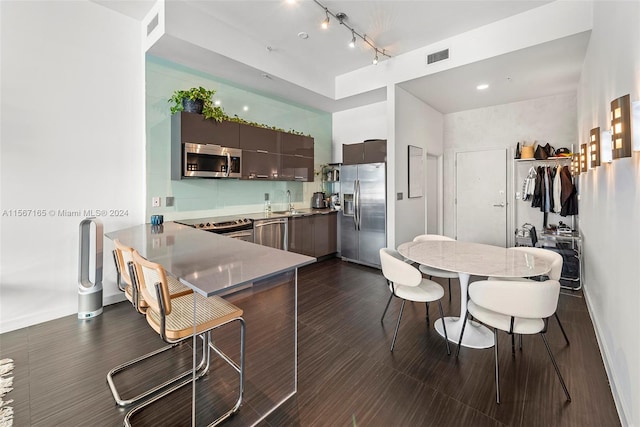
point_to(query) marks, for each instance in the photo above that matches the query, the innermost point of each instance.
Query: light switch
(399, 196)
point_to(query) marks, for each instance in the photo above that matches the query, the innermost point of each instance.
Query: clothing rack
(522, 212)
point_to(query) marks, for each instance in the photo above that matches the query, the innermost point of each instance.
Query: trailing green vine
(210, 111)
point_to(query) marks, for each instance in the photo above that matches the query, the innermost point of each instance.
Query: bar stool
(173, 319)
(127, 280)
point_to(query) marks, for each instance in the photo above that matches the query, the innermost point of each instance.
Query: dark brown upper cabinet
(375, 150)
(194, 128)
(296, 168)
(259, 139)
(296, 145)
(353, 154)
(370, 151)
(260, 165)
(266, 153)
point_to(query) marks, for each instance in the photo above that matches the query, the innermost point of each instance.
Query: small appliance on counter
(318, 201)
(335, 201)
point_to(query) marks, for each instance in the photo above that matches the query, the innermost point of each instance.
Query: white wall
(417, 124)
(356, 125)
(550, 119)
(610, 203)
(72, 133)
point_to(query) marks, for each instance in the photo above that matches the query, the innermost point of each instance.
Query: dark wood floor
(346, 373)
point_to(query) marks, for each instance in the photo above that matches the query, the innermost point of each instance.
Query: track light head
(352, 43)
(325, 22)
(375, 59)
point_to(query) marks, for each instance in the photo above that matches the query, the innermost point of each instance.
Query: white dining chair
(436, 272)
(406, 282)
(516, 307)
(556, 261)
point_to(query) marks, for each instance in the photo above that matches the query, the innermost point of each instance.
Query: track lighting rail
(341, 18)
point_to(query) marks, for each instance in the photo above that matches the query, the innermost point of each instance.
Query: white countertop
(206, 262)
(474, 258)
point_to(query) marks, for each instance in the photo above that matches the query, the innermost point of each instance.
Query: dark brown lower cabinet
(326, 234)
(314, 235)
(301, 235)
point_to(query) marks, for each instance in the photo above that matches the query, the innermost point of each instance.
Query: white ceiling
(542, 70)
(396, 26)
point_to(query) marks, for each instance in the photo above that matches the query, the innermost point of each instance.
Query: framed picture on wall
(416, 172)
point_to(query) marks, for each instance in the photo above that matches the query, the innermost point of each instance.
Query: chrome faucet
(289, 200)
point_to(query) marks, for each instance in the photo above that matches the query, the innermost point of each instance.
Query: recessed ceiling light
(483, 86)
(245, 108)
(303, 35)
(216, 102)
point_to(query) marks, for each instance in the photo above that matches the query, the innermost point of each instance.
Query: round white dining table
(468, 259)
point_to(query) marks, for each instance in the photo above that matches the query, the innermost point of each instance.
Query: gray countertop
(206, 262)
(257, 216)
(283, 214)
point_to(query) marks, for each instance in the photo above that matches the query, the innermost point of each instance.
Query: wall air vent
(437, 56)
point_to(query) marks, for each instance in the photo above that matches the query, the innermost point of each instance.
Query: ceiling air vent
(152, 24)
(438, 56)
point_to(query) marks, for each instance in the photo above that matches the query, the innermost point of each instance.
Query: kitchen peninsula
(211, 264)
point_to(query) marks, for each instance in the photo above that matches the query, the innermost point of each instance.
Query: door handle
(499, 205)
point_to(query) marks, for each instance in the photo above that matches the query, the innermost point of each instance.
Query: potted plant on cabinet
(197, 100)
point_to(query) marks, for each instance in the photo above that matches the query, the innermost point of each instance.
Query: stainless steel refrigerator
(363, 217)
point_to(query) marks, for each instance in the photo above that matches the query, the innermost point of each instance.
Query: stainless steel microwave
(211, 161)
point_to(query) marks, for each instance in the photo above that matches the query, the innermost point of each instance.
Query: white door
(433, 186)
(481, 205)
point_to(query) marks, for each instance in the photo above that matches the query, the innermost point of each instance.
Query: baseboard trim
(113, 299)
(606, 357)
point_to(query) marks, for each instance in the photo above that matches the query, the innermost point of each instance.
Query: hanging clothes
(536, 199)
(529, 185)
(557, 190)
(568, 195)
(547, 193)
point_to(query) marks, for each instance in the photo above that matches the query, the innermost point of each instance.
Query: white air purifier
(90, 261)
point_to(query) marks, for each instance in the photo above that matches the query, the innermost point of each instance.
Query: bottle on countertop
(267, 204)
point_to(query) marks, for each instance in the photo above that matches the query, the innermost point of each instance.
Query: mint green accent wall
(201, 197)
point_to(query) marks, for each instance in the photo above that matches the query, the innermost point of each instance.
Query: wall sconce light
(583, 157)
(635, 125)
(621, 127)
(575, 164)
(594, 148)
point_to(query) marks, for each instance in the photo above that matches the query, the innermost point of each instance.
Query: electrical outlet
(155, 202)
(400, 196)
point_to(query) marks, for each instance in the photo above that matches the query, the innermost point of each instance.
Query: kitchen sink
(285, 212)
(300, 212)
